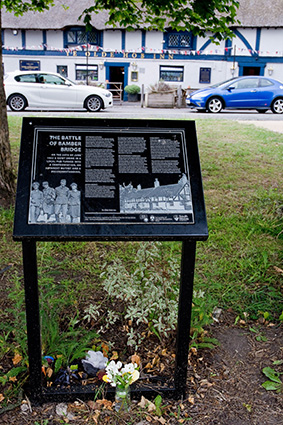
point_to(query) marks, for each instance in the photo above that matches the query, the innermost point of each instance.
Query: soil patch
(224, 387)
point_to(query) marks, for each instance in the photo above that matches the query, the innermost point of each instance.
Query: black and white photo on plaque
(54, 205)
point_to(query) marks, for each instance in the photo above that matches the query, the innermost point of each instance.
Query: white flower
(116, 375)
(129, 368)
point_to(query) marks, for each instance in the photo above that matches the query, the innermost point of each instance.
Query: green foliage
(259, 336)
(147, 285)
(13, 373)
(274, 383)
(148, 289)
(16, 314)
(65, 346)
(132, 89)
(18, 7)
(158, 407)
(197, 16)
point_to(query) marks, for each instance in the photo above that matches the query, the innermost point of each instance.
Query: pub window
(84, 71)
(178, 40)
(62, 70)
(78, 36)
(172, 73)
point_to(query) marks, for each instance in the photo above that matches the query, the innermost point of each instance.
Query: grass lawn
(239, 268)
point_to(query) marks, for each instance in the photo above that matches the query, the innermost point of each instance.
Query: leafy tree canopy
(198, 16)
(18, 7)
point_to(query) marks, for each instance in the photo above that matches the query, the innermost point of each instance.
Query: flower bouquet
(121, 377)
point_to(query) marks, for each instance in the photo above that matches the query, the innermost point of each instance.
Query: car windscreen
(70, 81)
(223, 83)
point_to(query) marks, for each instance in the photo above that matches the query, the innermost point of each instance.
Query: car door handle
(253, 91)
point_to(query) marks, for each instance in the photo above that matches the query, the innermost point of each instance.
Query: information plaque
(109, 178)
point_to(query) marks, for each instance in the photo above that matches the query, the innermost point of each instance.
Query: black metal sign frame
(103, 179)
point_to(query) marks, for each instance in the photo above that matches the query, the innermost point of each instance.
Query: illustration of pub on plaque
(170, 198)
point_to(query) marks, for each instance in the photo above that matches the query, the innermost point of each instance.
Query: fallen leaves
(114, 356)
(105, 349)
(17, 359)
(107, 404)
(146, 404)
(136, 359)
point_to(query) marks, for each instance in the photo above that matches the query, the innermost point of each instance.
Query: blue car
(251, 92)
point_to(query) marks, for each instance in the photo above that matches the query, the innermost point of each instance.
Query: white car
(46, 90)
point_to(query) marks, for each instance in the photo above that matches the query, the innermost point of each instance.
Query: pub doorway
(251, 70)
(116, 81)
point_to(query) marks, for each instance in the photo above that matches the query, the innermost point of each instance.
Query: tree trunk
(7, 176)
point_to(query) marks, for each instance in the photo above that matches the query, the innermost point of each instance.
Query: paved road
(133, 110)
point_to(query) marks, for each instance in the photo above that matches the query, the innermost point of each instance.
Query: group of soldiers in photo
(59, 205)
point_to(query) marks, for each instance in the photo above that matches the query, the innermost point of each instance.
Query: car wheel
(93, 103)
(214, 105)
(277, 106)
(17, 102)
(262, 111)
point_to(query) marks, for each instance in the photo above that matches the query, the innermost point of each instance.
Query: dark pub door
(116, 80)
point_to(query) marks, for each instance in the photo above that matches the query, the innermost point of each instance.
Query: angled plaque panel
(109, 179)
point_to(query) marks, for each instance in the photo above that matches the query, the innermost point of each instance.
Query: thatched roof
(261, 13)
(251, 13)
(56, 18)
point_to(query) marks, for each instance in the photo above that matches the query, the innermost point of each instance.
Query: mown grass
(239, 267)
(241, 168)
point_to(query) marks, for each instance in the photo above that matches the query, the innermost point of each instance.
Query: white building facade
(56, 41)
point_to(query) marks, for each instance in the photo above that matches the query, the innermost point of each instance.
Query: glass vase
(122, 399)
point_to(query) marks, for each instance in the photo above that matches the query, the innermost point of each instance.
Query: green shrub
(132, 89)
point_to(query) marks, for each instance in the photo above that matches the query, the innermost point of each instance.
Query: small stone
(62, 410)
(25, 408)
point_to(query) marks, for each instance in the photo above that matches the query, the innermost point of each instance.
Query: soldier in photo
(74, 203)
(61, 202)
(49, 196)
(36, 198)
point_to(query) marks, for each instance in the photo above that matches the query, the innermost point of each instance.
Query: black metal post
(32, 318)
(184, 317)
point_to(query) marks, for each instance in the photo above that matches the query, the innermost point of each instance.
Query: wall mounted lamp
(270, 70)
(101, 65)
(134, 66)
(15, 32)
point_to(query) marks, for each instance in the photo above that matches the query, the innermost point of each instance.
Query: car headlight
(107, 94)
